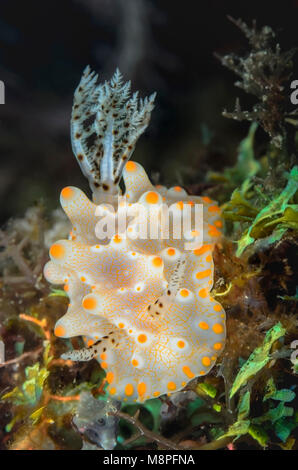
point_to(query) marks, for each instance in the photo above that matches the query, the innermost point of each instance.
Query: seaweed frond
(263, 72)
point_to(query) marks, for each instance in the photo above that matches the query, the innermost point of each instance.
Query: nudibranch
(142, 305)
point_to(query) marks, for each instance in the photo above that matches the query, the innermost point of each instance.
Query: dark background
(165, 46)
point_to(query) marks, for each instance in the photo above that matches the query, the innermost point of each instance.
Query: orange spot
(213, 232)
(183, 384)
(191, 203)
(142, 338)
(103, 356)
(178, 189)
(129, 390)
(202, 274)
(184, 292)
(59, 331)
(206, 361)
(204, 325)
(217, 346)
(66, 287)
(112, 391)
(121, 325)
(207, 199)
(188, 372)
(180, 205)
(117, 238)
(213, 209)
(217, 308)
(155, 394)
(90, 342)
(104, 365)
(202, 250)
(110, 377)
(152, 197)
(218, 223)
(130, 166)
(222, 315)
(67, 193)
(142, 388)
(134, 362)
(203, 293)
(89, 303)
(171, 386)
(181, 344)
(57, 251)
(217, 328)
(157, 261)
(171, 251)
(202, 372)
(83, 279)
(208, 258)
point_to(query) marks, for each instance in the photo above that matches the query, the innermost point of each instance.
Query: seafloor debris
(94, 419)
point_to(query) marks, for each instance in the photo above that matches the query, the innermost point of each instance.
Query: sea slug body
(143, 305)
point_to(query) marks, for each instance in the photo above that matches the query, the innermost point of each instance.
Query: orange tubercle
(171, 386)
(203, 274)
(206, 361)
(142, 338)
(129, 390)
(89, 303)
(217, 328)
(130, 166)
(67, 193)
(142, 388)
(151, 197)
(184, 292)
(59, 331)
(202, 250)
(188, 372)
(57, 251)
(157, 261)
